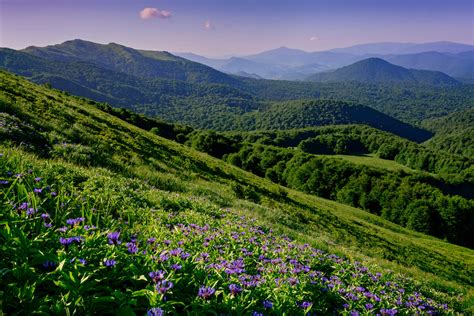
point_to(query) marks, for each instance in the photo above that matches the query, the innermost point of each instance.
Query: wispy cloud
(153, 13)
(208, 25)
(314, 38)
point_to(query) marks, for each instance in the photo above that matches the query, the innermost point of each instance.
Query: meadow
(99, 215)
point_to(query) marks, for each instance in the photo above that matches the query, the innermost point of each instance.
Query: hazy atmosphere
(216, 27)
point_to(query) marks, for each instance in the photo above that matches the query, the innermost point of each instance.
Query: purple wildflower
(267, 304)
(155, 311)
(235, 289)
(157, 276)
(206, 292)
(163, 286)
(176, 267)
(306, 305)
(114, 238)
(132, 247)
(110, 262)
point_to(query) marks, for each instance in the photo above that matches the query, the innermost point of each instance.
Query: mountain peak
(377, 70)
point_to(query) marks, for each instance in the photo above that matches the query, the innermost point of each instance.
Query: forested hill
(299, 114)
(159, 84)
(454, 133)
(377, 70)
(140, 63)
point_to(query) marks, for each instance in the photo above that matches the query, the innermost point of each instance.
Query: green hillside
(454, 133)
(436, 198)
(95, 169)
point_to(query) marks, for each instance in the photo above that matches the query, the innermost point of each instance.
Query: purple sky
(217, 27)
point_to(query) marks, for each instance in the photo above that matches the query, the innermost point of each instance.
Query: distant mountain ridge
(159, 84)
(377, 70)
(134, 62)
(295, 64)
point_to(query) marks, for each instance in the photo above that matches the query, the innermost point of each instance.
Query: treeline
(454, 133)
(432, 204)
(410, 200)
(357, 139)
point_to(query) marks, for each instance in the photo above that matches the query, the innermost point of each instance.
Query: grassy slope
(167, 165)
(372, 160)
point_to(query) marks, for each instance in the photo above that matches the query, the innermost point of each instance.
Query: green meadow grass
(120, 170)
(371, 160)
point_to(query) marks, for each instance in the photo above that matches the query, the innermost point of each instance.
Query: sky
(234, 27)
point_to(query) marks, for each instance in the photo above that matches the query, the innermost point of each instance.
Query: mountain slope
(448, 63)
(376, 70)
(219, 106)
(58, 126)
(298, 114)
(138, 63)
(454, 133)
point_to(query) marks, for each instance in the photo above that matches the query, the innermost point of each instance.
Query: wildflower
(157, 276)
(155, 311)
(62, 229)
(3, 182)
(114, 238)
(306, 305)
(31, 211)
(38, 179)
(176, 267)
(369, 306)
(38, 190)
(267, 304)
(163, 286)
(206, 292)
(235, 289)
(132, 247)
(75, 221)
(110, 262)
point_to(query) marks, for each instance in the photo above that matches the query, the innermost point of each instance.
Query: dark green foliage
(353, 139)
(454, 133)
(159, 84)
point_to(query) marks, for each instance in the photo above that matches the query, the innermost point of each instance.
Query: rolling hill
(84, 167)
(454, 133)
(139, 63)
(197, 98)
(376, 70)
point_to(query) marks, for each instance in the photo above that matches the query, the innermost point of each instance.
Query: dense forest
(454, 133)
(182, 91)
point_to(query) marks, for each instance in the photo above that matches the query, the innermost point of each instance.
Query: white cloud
(152, 13)
(208, 25)
(314, 38)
